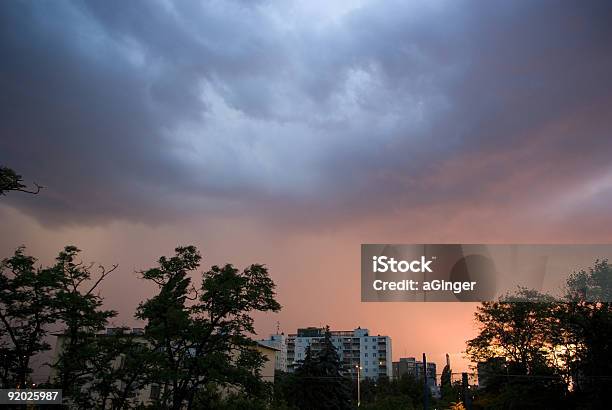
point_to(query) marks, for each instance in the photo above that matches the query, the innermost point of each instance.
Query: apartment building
(411, 366)
(279, 343)
(355, 347)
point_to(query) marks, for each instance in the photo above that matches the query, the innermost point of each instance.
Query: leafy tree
(26, 311)
(285, 389)
(195, 341)
(519, 335)
(321, 380)
(411, 387)
(370, 389)
(403, 393)
(34, 300)
(79, 310)
(516, 328)
(200, 337)
(538, 346)
(11, 181)
(121, 365)
(585, 323)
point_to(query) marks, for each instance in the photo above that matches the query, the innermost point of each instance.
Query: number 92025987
(43, 396)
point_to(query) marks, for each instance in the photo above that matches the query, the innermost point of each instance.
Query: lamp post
(358, 385)
(426, 390)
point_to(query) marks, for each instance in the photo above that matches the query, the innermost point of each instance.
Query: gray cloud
(149, 111)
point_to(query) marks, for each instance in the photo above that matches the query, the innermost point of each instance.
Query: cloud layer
(288, 133)
(155, 110)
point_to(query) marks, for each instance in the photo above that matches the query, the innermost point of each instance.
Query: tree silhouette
(322, 384)
(200, 337)
(80, 312)
(543, 352)
(11, 181)
(27, 308)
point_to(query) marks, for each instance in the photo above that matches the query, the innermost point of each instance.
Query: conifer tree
(323, 384)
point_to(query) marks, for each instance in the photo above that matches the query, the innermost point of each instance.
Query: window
(366, 355)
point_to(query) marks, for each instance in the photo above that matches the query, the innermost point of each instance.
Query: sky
(289, 133)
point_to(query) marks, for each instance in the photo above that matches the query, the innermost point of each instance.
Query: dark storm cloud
(152, 110)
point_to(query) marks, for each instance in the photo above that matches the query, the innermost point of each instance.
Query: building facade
(355, 347)
(279, 343)
(412, 367)
(490, 371)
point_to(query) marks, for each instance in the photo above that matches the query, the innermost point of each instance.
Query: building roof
(260, 343)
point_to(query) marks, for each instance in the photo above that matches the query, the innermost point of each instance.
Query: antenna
(277, 327)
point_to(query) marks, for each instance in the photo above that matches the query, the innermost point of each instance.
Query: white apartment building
(279, 343)
(355, 348)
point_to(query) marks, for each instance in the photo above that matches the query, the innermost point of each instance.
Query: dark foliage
(11, 181)
(321, 383)
(200, 337)
(541, 352)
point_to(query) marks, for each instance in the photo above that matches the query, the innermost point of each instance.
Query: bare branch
(193, 291)
(27, 191)
(103, 274)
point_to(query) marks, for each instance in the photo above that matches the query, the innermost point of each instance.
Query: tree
(385, 394)
(322, 383)
(585, 332)
(520, 330)
(516, 328)
(11, 181)
(412, 387)
(121, 366)
(285, 389)
(445, 378)
(195, 340)
(447, 391)
(535, 346)
(79, 310)
(26, 309)
(35, 299)
(200, 337)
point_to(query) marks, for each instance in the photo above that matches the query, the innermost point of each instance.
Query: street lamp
(358, 385)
